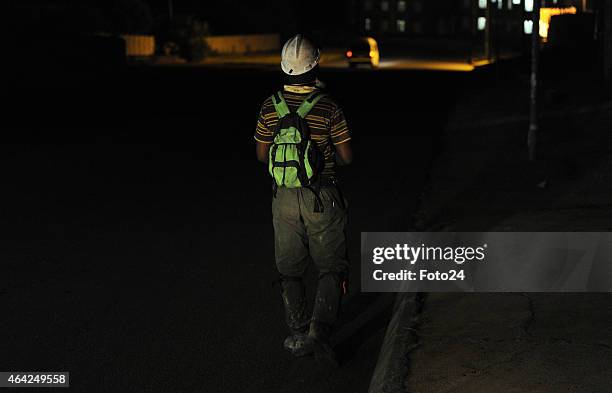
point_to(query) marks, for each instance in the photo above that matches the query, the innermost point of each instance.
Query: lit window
(516, 2)
(500, 4)
(401, 6)
(528, 5)
(482, 22)
(510, 4)
(543, 29)
(368, 24)
(384, 6)
(482, 4)
(528, 27)
(401, 25)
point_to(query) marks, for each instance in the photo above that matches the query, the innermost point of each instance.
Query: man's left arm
(263, 138)
(261, 151)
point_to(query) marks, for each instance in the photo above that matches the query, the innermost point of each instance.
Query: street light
(533, 107)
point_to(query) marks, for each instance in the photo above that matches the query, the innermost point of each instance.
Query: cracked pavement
(517, 342)
(513, 343)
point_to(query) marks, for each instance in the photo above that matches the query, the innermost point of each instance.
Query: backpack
(294, 159)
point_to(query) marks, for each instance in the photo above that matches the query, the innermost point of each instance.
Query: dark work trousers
(301, 235)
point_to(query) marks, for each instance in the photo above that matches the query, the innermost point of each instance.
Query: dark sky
(235, 16)
(316, 18)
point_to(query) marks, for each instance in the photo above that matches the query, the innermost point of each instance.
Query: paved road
(137, 242)
(416, 64)
(337, 61)
(420, 60)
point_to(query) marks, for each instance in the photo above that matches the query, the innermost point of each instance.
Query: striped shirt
(326, 122)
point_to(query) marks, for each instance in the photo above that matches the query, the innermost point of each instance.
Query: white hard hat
(299, 56)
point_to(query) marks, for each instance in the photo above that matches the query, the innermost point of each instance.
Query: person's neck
(301, 88)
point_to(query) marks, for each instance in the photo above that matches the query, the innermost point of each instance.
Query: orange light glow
(547, 13)
(349, 54)
(372, 53)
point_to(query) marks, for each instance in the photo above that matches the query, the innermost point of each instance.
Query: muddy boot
(299, 344)
(325, 313)
(294, 300)
(327, 301)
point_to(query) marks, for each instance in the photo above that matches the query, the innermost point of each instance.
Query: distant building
(502, 23)
(412, 18)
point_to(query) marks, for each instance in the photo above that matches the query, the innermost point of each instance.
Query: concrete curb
(400, 339)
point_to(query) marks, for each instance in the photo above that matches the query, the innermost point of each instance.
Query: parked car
(363, 50)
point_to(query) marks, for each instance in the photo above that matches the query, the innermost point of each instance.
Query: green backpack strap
(309, 103)
(282, 109)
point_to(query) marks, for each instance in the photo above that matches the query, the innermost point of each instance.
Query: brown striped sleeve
(339, 129)
(263, 133)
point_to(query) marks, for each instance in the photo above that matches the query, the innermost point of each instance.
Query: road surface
(337, 60)
(137, 247)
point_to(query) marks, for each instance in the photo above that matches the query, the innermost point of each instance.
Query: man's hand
(344, 153)
(261, 150)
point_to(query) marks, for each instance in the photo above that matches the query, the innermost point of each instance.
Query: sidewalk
(482, 178)
(513, 343)
(482, 181)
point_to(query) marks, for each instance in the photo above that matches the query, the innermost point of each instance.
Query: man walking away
(302, 135)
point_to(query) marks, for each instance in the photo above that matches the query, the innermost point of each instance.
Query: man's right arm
(341, 138)
(344, 153)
